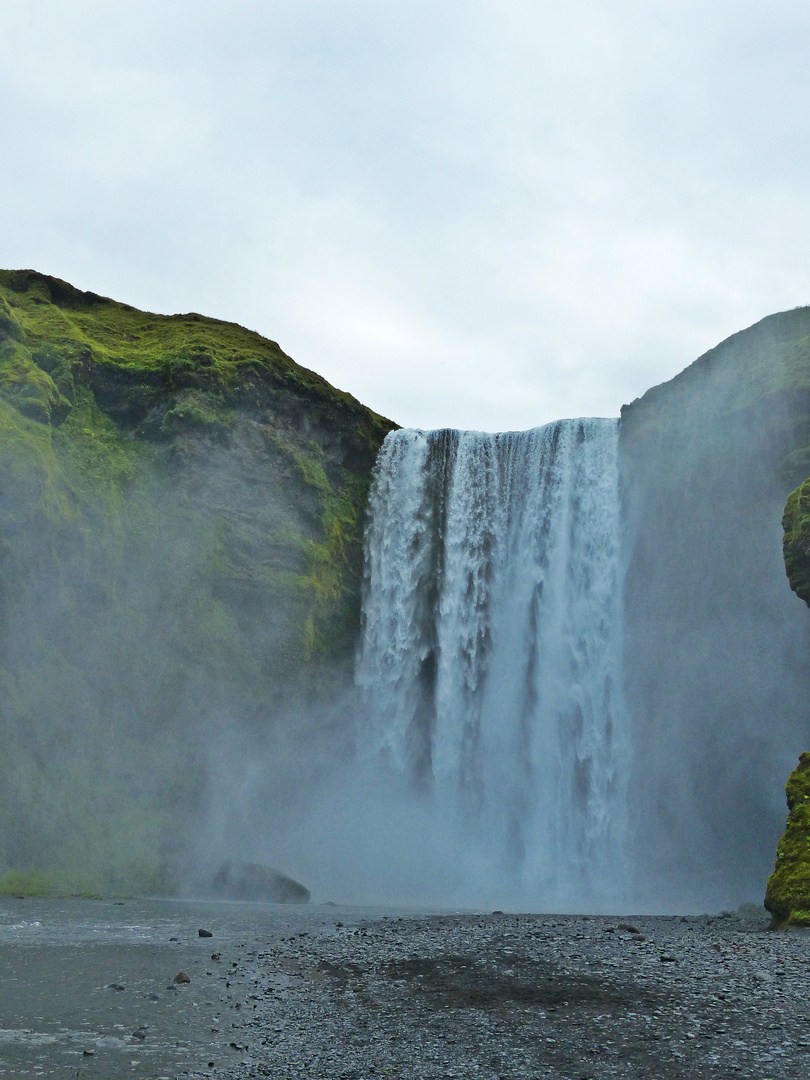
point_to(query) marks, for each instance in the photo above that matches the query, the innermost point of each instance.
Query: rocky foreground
(523, 996)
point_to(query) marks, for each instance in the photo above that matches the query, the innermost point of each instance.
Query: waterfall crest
(491, 651)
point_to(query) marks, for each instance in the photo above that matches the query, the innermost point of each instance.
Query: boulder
(236, 880)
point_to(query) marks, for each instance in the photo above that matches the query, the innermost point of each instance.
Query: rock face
(715, 645)
(788, 893)
(250, 881)
(181, 547)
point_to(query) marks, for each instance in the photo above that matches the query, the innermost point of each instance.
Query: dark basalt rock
(237, 880)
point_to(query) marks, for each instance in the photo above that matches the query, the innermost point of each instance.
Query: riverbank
(88, 987)
(328, 993)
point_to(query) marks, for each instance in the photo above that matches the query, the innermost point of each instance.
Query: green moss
(29, 387)
(39, 883)
(178, 351)
(27, 883)
(194, 409)
(788, 893)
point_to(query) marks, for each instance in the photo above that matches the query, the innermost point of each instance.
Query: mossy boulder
(796, 541)
(181, 517)
(788, 893)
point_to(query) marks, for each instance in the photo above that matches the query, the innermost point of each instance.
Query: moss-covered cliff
(788, 893)
(181, 511)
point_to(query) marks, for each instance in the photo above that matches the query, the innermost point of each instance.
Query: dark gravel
(513, 997)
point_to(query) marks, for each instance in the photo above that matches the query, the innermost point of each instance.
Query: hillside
(182, 510)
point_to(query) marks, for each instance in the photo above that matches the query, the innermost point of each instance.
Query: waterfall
(491, 652)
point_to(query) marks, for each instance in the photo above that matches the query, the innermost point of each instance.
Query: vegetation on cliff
(796, 541)
(788, 893)
(181, 546)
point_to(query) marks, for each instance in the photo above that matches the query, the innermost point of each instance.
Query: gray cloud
(481, 215)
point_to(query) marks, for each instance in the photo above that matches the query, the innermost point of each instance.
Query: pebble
(522, 997)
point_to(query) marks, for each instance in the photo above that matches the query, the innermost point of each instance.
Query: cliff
(181, 546)
(716, 646)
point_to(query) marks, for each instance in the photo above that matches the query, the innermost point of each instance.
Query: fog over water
(582, 675)
(580, 684)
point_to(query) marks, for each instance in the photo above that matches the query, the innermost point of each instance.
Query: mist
(146, 617)
(573, 678)
(375, 806)
(716, 644)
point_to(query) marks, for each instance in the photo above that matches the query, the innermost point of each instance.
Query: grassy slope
(181, 542)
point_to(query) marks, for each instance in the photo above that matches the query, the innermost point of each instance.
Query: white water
(491, 654)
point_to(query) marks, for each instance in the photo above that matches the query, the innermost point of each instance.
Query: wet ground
(325, 993)
(87, 987)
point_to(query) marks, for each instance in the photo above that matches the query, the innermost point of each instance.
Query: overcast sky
(471, 213)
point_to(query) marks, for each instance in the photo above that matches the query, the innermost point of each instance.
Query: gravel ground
(513, 997)
(326, 993)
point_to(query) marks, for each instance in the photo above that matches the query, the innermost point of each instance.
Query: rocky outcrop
(788, 893)
(180, 550)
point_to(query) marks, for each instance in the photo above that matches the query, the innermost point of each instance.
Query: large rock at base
(249, 881)
(788, 893)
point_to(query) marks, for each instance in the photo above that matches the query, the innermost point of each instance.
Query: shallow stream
(88, 989)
